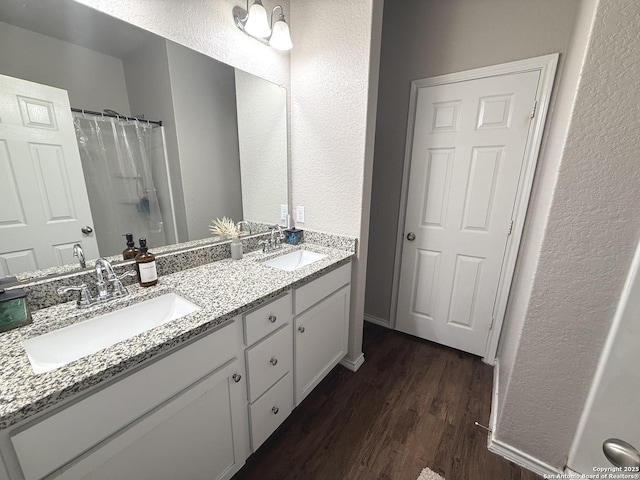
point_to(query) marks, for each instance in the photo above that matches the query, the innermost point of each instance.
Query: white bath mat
(428, 474)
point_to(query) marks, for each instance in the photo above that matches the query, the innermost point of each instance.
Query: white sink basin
(55, 349)
(295, 260)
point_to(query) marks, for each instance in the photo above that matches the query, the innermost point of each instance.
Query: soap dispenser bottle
(146, 264)
(131, 251)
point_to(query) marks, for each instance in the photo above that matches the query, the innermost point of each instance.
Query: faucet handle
(84, 295)
(118, 289)
(128, 273)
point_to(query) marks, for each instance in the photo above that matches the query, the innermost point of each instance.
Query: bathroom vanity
(188, 399)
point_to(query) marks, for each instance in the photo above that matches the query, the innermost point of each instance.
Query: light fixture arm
(246, 15)
(273, 11)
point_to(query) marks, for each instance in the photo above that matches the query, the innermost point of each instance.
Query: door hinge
(533, 110)
(493, 319)
(510, 228)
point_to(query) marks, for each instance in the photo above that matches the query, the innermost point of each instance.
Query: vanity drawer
(311, 293)
(268, 361)
(45, 445)
(270, 411)
(266, 319)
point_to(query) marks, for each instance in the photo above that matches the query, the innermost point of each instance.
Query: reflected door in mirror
(42, 192)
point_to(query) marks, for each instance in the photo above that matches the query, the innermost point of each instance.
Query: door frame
(546, 65)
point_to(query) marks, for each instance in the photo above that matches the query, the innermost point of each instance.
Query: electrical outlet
(300, 214)
(284, 211)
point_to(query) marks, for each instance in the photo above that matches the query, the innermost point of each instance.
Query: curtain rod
(102, 114)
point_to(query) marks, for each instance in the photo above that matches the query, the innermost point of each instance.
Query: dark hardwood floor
(411, 405)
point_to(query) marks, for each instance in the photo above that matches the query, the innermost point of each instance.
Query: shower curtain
(117, 171)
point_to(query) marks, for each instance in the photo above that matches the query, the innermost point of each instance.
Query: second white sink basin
(60, 347)
(295, 260)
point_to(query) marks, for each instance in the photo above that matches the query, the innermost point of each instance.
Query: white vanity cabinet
(321, 328)
(198, 410)
(182, 416)
(269, 360)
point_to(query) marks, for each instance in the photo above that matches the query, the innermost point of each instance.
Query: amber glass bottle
(146, 263)
(131, 251)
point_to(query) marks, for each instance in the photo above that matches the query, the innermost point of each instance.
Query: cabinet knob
(301, 329)
(272, 318)
(275, 410)
(236, 377)
(273, 361)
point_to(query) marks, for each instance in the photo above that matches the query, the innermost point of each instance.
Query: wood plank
(411, 405)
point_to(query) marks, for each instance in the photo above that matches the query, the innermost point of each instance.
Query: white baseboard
(353, 365)
(377, 320)
(507, 451)
(521, 458)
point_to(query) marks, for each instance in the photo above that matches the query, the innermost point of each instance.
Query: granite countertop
(222, 289)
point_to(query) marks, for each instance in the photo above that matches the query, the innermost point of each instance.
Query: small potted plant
(225, 228)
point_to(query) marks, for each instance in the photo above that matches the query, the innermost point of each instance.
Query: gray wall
(204, 102)
(152, 98)
(94, 80)
(435, 37)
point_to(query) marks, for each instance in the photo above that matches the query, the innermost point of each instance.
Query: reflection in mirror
(221, 149)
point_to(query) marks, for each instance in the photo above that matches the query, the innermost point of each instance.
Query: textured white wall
(428, 38)
(331, 64)
(94, 80)
(566, 296)
(206, 26)
(262, 131)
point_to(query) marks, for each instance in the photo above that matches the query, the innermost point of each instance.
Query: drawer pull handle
(236, 377)
(275, 410)
(301, 329)
(272, 318)
(273, 361)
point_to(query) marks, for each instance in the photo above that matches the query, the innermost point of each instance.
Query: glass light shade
(257, 22)
(280, 37)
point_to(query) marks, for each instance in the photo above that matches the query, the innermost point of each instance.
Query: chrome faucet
(79, 254)
(242, 223)
(108, 288)
(275, 239)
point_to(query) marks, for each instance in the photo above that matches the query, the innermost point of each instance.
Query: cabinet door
(198, 434)
(320, 335)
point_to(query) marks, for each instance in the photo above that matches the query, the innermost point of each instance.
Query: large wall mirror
(221, 149)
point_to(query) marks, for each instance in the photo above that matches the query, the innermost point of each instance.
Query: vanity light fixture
(253, 21)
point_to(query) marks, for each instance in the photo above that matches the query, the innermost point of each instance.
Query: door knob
(301, 329)
(620, 453)
(236, 377)
(86, 230)
(273, 361)
(411, 236)
(272, 318)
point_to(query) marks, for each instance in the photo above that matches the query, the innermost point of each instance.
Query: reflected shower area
(117, 155)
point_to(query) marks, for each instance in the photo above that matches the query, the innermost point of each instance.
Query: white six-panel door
(43, 197)
(469, 142)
